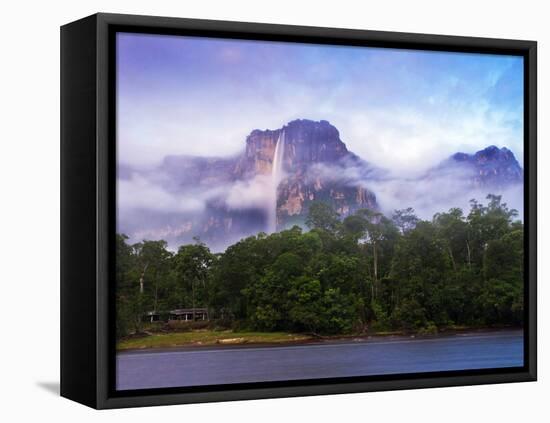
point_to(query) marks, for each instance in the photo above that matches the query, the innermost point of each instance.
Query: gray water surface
(376, 356)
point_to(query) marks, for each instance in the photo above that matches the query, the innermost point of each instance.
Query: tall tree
(487, 223)
(420, 266)
(405, 219)
(193, 263)
(322, 216)
(152, 261)
(452, 230)
(380, 234)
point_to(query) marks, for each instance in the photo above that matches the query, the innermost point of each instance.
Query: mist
(429, 193)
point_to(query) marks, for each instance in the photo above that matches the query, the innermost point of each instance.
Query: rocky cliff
(491, 167)
(314, 162)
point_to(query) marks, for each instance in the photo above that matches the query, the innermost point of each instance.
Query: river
(362, 357)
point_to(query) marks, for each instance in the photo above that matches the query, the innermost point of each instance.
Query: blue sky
(402, 110)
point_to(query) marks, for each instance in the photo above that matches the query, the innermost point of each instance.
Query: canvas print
(292, 211)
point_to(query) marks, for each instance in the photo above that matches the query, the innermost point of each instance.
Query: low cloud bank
(428, 194)
(153, 207)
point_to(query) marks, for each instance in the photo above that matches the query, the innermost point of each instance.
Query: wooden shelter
(189, 314)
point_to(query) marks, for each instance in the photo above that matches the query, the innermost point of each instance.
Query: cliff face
(491, 167)
(313, 161)
(258, 156)
(309, 142)
(306, 142)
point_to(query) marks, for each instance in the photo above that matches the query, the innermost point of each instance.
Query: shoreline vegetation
(153, 339)
(364, 275)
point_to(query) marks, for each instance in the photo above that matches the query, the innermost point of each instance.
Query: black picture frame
(88, 209)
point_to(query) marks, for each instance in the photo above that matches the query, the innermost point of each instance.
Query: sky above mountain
(403, 110)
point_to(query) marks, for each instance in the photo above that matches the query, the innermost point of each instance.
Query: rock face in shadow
(306, 142)
(491, 167)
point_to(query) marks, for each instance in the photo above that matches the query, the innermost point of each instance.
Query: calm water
(206, 366)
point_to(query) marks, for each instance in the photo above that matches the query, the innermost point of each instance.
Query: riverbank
(208, 337)
(205, 337)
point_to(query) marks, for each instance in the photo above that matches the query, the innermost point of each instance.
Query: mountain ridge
(490, 167)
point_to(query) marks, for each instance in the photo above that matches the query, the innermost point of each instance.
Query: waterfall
(277, 175)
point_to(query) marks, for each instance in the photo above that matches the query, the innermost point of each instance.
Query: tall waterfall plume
(277, 175)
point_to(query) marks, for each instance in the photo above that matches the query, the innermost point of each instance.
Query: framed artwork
(255, 210)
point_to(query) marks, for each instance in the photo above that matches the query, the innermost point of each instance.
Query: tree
(502, 294)
(504, 257)
(192, 264)
(487, 223)
(140, 275)
(452, 230)
(410, 314)
(338, 312)
(502, 302)
(239, 268)
(421, 268)
(355, 226)
(342, 272)
(322, 216)
(305, 303)
(380, 234)
(405, 219)
(152, 263)
(266, 295)
(124, 262)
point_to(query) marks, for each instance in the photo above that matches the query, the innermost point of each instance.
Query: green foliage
(504, 257)
(487, 223)
(322, 216)
(502, 301)
(337, 316)
(192, 264)
(306, 303)
(409, 314)
(366, 271)
(381, 320)
(405, 220)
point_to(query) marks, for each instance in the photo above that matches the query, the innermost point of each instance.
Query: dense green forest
(365, 272)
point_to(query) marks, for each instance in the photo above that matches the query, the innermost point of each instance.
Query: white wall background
(29, 235)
